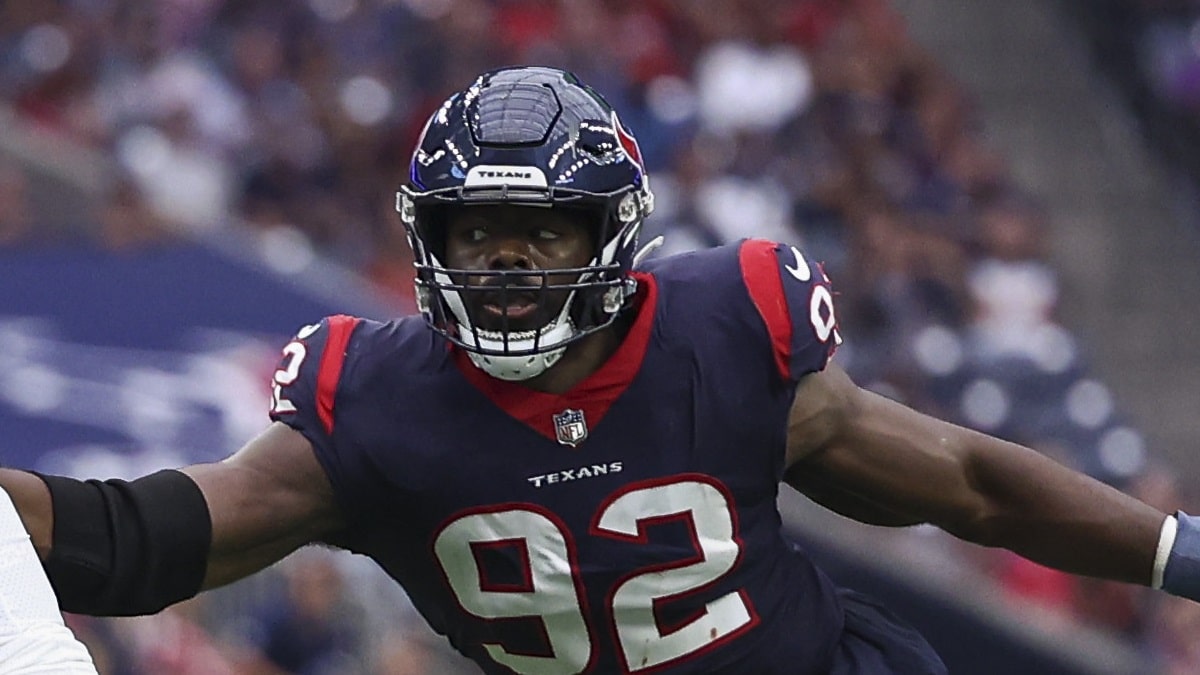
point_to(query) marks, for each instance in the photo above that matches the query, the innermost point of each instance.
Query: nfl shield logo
(570, 427)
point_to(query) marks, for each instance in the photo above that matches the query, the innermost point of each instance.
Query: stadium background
(1004, 191)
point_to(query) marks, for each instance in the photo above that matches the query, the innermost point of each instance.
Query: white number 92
(552, 590)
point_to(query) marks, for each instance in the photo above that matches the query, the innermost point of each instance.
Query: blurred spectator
(1013, 291)
(1176, 641)
(1147, 49)
(127, 221)
(312, 629)
(108, 650)
(180, 177)
(175, 641)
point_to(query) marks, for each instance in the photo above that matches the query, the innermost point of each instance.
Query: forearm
(990, 491)
(1055, 516)
(119, 547)
(975, 486)
(126, 547)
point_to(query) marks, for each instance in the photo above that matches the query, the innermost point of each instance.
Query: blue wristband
(1182, 574)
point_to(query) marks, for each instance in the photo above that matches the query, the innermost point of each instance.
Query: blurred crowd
(817, 122)
(1168, 52)
(1150, 51)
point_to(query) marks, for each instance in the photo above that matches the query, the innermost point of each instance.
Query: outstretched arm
(127, 548)
(265, 501)
(974, 486)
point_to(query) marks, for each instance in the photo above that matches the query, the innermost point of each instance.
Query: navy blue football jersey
(627, 525)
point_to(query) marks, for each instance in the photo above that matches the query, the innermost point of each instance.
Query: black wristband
(123, 548)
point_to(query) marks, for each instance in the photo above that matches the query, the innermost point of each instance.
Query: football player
(33, 637)
(571, 460)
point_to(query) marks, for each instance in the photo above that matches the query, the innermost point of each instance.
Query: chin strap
(516, 368)
(522, 366)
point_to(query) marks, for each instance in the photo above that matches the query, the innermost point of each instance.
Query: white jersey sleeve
(33, 638)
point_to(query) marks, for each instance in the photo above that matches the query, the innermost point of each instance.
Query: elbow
(966, 506)
(981, 514)
(976, 515)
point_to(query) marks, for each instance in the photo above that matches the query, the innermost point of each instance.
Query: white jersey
(33, 638)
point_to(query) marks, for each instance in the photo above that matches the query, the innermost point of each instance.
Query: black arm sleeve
(124, 548)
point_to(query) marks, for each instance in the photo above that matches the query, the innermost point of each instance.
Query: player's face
(516, 239)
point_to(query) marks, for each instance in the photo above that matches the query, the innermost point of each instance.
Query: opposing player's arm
(32, 501)
(33, 637)
(974, 486)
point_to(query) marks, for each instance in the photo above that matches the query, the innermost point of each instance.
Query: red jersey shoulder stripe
(760, 272)
(330, 371)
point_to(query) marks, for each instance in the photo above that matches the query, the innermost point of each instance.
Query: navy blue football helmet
(535, 136)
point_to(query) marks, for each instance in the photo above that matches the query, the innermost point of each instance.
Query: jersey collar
(593, 395)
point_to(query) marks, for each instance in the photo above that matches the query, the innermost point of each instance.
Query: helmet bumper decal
(489, 175)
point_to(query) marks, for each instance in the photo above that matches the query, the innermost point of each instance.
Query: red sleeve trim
(340, 328)
(760, 271)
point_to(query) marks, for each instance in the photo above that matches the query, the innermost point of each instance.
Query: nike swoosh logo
(801, 271)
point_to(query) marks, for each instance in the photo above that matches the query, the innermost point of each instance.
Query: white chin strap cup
(524, 366)
(516, 368)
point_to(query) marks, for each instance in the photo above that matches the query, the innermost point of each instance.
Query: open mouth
(509, 309)
(513, 309)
